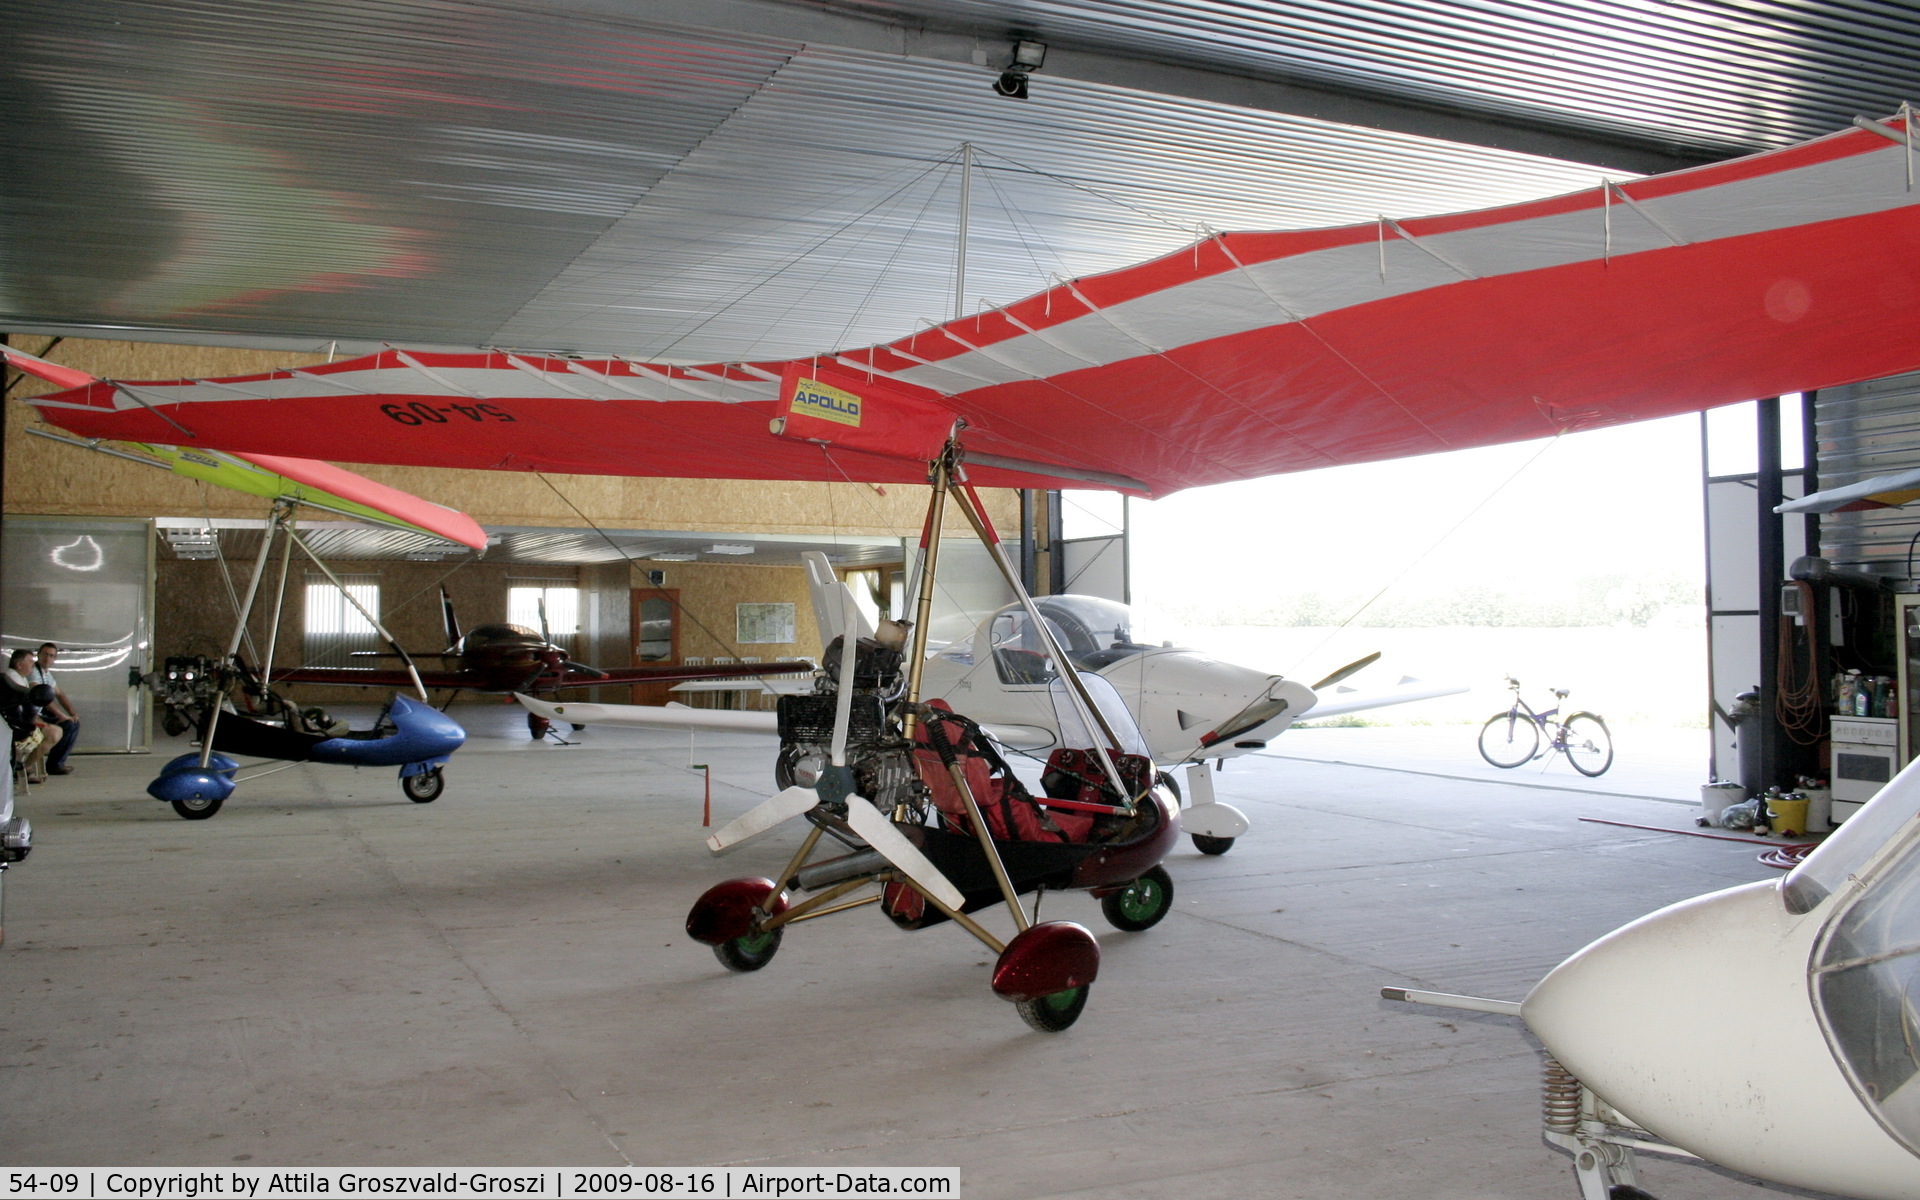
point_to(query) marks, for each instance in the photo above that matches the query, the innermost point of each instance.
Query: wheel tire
(1142, 904)
(1051, 1014)
(425, 787)
(1589, 746)
(537, 726)
(196, 809)
(1168, 782)
(1211, 845)
(1509, 740)
(749, 953)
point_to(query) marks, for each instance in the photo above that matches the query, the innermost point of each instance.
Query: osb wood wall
(194, 612)
(709, 594)
(45, 478)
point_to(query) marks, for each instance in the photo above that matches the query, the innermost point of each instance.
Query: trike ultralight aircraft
(933, 821)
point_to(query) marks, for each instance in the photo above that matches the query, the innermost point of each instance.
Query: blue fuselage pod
(421, 732)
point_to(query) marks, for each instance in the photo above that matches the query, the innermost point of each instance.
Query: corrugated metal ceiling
(685, 180)
(1718, 76)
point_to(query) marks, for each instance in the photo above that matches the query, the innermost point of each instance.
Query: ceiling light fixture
(728, 548)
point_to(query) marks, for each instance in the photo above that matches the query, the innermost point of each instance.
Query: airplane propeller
(835, 792)
(446, 616)
(1357, 664)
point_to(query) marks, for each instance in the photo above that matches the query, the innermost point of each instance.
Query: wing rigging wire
(723, 248)
(869, 232)
(899, 246)
(793, 259)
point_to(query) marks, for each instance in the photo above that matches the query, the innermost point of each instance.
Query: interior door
(656, 638)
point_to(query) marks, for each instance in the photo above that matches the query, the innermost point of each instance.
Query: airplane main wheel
(1051, 1014)
(749, 953)
(1142, 903)
(197, 808)
(538, 725)
(425, 787)
(1211, 845)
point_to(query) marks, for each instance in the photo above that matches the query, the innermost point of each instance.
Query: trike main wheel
(425, 787)
(1509, 739)
(1142, 903)
(749, 953)
(197, 808)
(1206, 844)
(1051, 1014)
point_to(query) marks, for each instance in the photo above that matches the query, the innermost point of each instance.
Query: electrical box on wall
(656, 579)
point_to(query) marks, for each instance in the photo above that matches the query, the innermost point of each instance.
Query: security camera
(1011, 83)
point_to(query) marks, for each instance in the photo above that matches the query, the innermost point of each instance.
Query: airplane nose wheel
(1141, 904)
(1211, 845)
(425, 787)
(1051, 1014)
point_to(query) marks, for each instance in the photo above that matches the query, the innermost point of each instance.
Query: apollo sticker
(815, 399)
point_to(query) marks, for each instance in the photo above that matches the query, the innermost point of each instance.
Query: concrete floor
(326, 974)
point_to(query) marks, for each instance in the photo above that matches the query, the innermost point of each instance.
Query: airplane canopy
(1245, 354)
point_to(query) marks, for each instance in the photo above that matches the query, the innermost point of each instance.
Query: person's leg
(69, 734)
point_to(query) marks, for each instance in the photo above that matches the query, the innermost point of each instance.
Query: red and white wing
(1243, 355)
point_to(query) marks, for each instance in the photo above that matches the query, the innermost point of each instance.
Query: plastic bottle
(1848, 690)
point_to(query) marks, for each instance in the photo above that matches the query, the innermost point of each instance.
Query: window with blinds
(334, 630)
(561, 603)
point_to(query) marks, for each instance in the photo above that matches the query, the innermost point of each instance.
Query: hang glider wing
(1242, 355)
(309, 481)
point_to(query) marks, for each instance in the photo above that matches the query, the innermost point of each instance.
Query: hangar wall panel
(87, 585)
(1864, 430)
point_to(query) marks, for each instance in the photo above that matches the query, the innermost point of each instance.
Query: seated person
(21, 705)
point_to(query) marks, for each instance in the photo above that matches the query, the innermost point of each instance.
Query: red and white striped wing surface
(1243, 355)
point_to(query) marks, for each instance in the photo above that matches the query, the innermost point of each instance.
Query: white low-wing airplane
(1189, 708)
(1773, 1028)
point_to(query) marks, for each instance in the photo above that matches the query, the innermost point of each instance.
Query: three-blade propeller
(835, 789)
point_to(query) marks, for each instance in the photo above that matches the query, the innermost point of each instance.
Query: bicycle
(1513, 738)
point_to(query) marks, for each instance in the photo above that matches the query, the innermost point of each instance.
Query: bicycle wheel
(1509, 739)
(1588, 745)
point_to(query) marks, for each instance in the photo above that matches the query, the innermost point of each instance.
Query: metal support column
(1774, 754)
(1056, 559)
